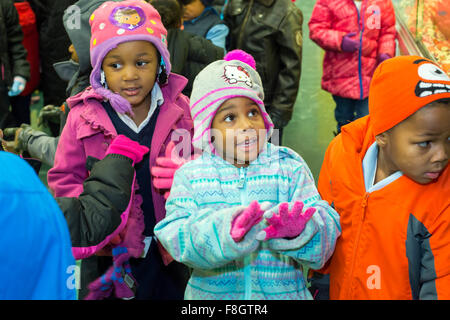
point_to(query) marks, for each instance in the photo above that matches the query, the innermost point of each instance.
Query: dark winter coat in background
(53, 46)
(189, 54)
(13, 55)
(271, 31)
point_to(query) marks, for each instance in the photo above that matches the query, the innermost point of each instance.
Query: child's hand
(286, 224)
(348, 44)
(18, 86)
(125, 146)
(247, 219)
(165, 168)
(118, 278)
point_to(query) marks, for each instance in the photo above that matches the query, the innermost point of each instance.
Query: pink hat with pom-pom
(234, 76)
(114, 23)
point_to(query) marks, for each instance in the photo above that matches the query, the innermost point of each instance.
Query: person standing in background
(15, 69)
(356, 35)
(202, 19)
(271, 31)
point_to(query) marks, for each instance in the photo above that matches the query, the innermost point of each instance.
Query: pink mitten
(286, 224)
(249, 217)
(128, 148)
(165, 168)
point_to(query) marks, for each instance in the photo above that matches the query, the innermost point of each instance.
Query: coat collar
(95, 115)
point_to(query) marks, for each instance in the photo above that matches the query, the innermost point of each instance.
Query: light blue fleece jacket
(204, 199)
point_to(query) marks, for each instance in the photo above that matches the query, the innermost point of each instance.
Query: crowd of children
(164, 196)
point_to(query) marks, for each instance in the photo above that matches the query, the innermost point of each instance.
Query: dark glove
(16, 139)
(383, 56)
(348, 44)
(49, 115)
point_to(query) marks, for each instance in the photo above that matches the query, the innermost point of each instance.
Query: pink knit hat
(116, 22)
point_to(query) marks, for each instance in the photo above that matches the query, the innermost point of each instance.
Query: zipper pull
(364, 205)
(241, 178)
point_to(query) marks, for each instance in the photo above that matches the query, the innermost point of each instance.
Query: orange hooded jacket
(395, 242)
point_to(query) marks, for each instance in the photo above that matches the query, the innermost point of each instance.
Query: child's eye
(115, 65)
(253, 112)
(423, 144)
(229, 118)
(141, 63)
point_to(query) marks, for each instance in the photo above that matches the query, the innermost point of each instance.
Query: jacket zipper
(247, 259)
(355, 246)
(361, 29)
(241, 33)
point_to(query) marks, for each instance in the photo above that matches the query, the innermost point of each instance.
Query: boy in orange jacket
(388, 177)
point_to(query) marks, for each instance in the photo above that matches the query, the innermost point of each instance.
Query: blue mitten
(18, 86)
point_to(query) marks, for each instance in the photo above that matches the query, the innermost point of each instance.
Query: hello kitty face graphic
(234, 74)
(127, 17)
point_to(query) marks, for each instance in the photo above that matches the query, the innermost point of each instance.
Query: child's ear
(382, 139)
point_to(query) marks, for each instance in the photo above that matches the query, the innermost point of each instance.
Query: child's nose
(442, 153)
(129, 74)
(246, 124)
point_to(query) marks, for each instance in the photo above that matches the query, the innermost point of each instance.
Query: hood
(357, 136)
(76, 23)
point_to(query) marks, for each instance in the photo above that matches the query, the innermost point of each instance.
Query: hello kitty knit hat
(116, 22)
(234, 76)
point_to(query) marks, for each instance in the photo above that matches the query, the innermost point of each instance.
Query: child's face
(239, 131)
(193, 10)
(420, 145)
(73, 53)
(130, 70)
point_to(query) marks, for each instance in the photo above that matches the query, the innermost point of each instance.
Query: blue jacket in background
(36, 259)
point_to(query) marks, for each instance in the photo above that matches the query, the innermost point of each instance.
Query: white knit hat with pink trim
(235, 76)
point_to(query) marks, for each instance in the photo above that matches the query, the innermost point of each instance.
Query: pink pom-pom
(241, 56)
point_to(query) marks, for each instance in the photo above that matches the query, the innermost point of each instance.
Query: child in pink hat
(132, 93)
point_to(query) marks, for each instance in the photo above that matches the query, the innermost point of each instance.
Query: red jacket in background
(348, 74)
(27, 20)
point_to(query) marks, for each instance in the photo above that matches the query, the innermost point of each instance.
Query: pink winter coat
(89, 131)
(348, 74)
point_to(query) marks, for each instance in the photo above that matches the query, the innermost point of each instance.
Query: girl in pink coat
(133, 94)
(356, 36)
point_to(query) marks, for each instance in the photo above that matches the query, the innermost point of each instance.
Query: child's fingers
(166, 162)
(284, 211)
(162, 183)
(308, 213)
(297, 209)
(169, 149)
(163, 172)
(254, 206)
(238, 234)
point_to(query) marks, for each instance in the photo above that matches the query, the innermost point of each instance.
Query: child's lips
(133, 91)
(248, 143)
(433, 175)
